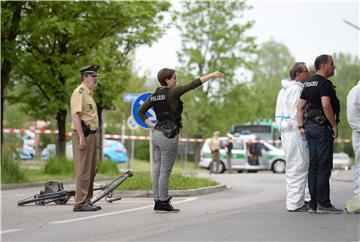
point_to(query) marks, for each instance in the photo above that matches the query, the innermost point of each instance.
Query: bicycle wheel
(110, 187)
(41, 199)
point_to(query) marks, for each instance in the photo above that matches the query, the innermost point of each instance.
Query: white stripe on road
(9, 231)
(118, 212)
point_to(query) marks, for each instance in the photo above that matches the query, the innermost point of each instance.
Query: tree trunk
(60, 141)
(6, 65)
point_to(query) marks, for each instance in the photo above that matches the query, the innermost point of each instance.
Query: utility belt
(86, 134)
(317, 120)
(86, 129)
(315, 116)
(168, 128)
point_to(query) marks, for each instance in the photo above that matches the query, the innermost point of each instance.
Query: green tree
(10, 20)
(272, 65)
(57, 38)
(347, 74)
(213, 37)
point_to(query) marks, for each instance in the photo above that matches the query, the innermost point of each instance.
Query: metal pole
(132, 149)
(123, 129)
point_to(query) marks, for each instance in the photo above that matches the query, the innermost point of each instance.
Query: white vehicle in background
(341, 161)
(272, 158)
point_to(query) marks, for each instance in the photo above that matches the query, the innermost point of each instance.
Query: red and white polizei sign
(127, 137)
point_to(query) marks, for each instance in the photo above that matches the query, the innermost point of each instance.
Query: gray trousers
(165, 151)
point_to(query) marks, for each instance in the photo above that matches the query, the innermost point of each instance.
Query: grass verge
(142, 181)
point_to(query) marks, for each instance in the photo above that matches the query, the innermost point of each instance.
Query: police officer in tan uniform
(214, 146)
(85, 122)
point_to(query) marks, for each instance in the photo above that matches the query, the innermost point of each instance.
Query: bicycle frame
(63, 196)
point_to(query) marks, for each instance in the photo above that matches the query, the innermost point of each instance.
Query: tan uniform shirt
(82, 102)
(214, 144)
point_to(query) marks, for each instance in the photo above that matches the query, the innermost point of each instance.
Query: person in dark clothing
(168, 109)
(229, 147)
(318, 116)
(254, 153)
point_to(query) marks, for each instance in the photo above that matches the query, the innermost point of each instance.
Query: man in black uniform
(318, 116)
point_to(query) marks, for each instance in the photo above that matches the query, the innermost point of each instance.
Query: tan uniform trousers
(216, 161)
(85, 165)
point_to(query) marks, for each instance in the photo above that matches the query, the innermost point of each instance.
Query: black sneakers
(325, 209)
(165, 206)
(97, 207)
(328, 210)
(157, 205)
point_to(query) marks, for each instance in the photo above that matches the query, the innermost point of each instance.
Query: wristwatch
(301, 127)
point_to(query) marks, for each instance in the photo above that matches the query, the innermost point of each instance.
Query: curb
(136, 193)
(173, 193)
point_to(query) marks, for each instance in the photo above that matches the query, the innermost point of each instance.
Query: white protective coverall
(353, 117)
(296, 149)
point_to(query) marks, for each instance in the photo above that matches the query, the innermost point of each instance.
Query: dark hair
(165, 74)
(321, 59)
(297, 67)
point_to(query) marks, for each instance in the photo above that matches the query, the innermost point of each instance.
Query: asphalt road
(253, 209)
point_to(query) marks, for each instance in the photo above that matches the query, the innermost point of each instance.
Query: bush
(59, 166)
(11, 172)
(10, 169)
(108, 167)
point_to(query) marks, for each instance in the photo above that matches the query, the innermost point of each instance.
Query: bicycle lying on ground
(54, 192)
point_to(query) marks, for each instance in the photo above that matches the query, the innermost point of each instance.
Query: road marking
(118, 212)
(9, 231)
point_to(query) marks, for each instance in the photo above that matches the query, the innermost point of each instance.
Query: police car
(271, 157)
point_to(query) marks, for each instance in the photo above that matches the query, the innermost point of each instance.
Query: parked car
(112, 149)
(341, 161)
(272, 158)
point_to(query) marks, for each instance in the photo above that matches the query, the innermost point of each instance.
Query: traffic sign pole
(151, 115)
(132, 148)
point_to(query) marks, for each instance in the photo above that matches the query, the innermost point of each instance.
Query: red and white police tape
(126, 137)
(107, 136)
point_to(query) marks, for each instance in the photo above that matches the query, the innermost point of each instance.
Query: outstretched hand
(212, 75)
(217, 74)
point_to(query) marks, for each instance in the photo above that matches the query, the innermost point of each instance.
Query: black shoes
(325, 209)
(165, 206)
(328, 210)
(97, 207)
(157, 205)
(87, 208)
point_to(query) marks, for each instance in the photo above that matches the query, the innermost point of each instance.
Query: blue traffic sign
(130, 97)
(150, 113)
(132, 123)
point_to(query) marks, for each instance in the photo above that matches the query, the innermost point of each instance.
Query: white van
(271, 157)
